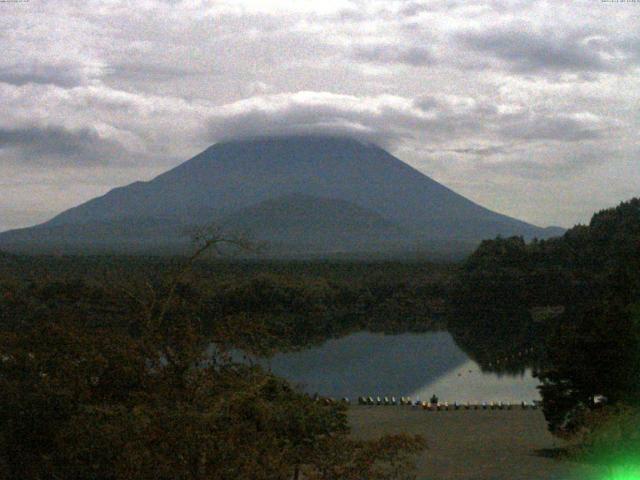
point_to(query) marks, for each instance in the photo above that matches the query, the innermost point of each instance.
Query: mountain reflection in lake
(415, 364)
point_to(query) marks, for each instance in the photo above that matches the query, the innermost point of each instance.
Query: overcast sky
(529, 108)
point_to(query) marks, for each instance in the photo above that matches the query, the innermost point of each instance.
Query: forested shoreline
(588, 281)
(106, 373)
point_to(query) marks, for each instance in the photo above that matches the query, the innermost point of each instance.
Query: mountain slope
(232, 179)
(300, 222)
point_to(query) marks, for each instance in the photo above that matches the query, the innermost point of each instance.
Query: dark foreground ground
(475, 445)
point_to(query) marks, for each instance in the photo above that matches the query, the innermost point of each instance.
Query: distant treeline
(292, 304)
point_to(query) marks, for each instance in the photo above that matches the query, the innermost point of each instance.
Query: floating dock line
(438, 406)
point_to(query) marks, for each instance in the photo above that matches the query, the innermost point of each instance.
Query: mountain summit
(311, 195)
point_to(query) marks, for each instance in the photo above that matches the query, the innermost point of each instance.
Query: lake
(410, 364)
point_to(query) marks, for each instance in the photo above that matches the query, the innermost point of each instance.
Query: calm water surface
(415, 364)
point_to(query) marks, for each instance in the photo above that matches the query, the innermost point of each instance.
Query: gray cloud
(411, 9)
(416, 56)
(387, 120)
(563, 165)
(528, 51)
(22, 74)
(391, 120)
(560, 128)
(147, 71)
(45, 145)
(630, 44)
(482, 151)
(307, 113)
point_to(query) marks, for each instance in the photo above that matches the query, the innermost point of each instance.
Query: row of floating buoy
(439, 406)
(406, 401)
(331, 400)
(386, 401)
